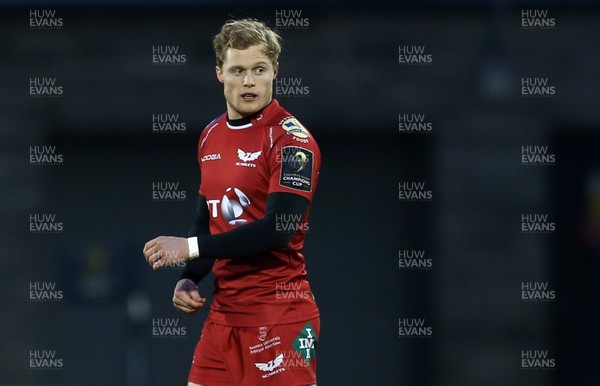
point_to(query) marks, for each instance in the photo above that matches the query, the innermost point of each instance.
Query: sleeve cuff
(193, 251)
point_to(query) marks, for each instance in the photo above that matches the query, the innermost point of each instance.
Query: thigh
(208, 365)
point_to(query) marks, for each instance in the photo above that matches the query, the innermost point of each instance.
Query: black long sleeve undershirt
(197, 269)
(245, 241)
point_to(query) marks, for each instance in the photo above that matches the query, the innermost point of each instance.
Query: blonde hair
(241, 34)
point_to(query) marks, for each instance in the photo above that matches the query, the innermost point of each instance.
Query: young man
(259, 168)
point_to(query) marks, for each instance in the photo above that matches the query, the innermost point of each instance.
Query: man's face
(247, 76)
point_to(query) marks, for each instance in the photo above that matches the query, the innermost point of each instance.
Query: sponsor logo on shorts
(262, 333)
(272, 367)
(265, 345)
(304, 343)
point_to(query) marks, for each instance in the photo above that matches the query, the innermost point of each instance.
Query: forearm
(260, 236)
(197, 269)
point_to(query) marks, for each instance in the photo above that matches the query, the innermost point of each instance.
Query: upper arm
(294, 161)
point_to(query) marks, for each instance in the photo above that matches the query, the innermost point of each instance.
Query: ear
(275, 70)
(219, 73)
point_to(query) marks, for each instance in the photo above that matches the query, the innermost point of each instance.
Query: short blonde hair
(241, 34)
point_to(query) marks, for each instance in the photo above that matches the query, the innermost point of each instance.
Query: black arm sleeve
(259, 236)
(197, 269)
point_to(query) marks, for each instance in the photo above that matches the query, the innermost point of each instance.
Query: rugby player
(259, 168)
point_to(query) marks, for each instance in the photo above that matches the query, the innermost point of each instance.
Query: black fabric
(249, 240)
(197, 269)
(260, 236)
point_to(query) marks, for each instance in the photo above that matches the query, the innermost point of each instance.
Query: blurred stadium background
(357, 90)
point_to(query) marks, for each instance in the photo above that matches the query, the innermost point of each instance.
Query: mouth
(249, 96)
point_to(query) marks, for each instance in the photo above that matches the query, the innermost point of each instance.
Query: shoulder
(287, 128)
(209, 128)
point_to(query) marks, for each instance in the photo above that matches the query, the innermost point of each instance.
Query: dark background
(471, 161)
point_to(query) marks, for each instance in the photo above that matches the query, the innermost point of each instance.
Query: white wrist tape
(193, 251)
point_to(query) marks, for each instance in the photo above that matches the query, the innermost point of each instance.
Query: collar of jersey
(239, 124)
(244, 123)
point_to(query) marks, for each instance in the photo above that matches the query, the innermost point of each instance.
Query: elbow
(281, 240)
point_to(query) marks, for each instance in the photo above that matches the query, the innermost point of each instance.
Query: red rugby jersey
(239, 167)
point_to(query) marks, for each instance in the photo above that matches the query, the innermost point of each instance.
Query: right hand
(186, 297)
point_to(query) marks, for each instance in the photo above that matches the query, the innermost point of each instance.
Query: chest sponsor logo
(246, 158)
(232, 204)
(211, 157)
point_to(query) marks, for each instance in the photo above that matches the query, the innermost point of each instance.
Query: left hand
(166, 250)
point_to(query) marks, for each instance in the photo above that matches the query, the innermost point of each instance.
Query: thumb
(195, 294)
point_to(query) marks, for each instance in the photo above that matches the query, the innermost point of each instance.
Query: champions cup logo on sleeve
(296, 168)
(44, 19)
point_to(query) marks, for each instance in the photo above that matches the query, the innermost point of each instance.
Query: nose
(248, 80)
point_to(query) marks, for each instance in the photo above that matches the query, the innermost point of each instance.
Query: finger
(187, 310)
(150, 244)
(180, 303)
(184, 298)
(155, 257)
(149, 252)
(158, 264)
(195, 295)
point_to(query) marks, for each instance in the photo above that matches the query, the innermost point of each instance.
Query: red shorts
(278, 355)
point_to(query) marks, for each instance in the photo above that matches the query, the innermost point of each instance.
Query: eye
(237, 71)
(259, 70)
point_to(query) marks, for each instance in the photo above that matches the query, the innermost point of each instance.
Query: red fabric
(239, 168)
(249, 356)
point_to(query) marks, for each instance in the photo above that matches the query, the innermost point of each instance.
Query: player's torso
(235, 175)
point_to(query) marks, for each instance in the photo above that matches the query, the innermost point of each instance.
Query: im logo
(304, 343)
